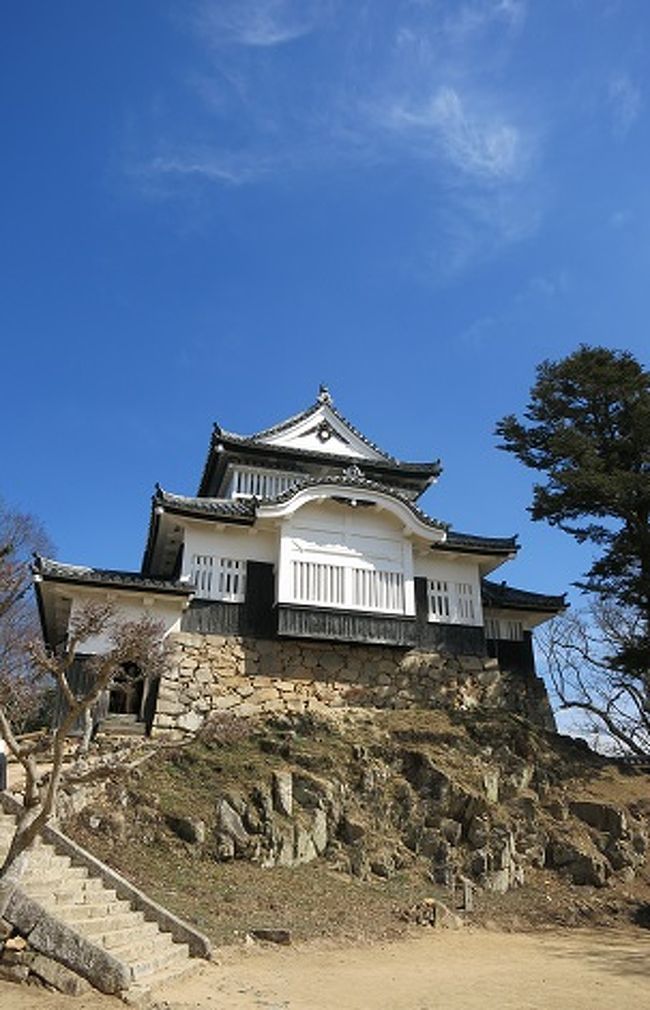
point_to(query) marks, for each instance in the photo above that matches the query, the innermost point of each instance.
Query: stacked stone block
(246, 677)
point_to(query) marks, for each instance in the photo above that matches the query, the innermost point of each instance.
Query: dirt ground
(470, 970)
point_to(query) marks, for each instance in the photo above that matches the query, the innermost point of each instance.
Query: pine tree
(587, 428)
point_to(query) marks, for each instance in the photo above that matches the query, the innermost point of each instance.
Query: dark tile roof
(498, 594)
(214, 508)
(231, 440)
(244, 510)
(473, 542)
(223, 442)
(354, 478)
(56, 571)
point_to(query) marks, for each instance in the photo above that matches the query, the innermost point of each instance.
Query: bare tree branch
(577, 649)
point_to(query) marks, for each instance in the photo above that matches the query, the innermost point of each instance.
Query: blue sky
(211, 207)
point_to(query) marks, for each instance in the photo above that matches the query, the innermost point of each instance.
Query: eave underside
(410, 478)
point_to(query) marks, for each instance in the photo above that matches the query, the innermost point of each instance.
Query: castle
(304, 574)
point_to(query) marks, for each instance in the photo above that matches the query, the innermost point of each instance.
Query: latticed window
(249, 483)
(377, 590)
(451, 602)
(465, 602)
(514, 631)
(439, 600)
(334, 585)
(315, 582)
(492, 629)
(218, 578)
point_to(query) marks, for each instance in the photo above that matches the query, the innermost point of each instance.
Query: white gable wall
(304, 435)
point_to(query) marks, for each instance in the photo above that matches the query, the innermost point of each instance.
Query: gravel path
(472, 970)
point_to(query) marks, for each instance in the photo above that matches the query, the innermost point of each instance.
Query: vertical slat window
(377, 590)
(514, 631)
(451, 602)
(247, 483)
(492, 629)
(218, 578)
(318, 583)
(439, 600)
(465, 602)
(322, 584)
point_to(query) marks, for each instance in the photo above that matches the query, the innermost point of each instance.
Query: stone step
(122, 725)
(41, 859)
(152, 966)
(99, 909)
(141, 991)
(94, 911)
(47, 884)
(143, 947)
(73, 893)
(46, 875)
(117, 929)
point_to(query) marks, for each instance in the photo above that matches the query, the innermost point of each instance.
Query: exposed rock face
(246, 677)
(380, 808)
(469, 799)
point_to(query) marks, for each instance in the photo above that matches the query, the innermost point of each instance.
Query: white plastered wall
(241, 544)
(453, 571)
(326, 532)
(128, 606)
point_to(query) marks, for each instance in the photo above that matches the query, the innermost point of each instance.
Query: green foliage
(587, 428)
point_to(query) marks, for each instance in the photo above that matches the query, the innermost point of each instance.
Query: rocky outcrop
(385, 806)
(468, 800)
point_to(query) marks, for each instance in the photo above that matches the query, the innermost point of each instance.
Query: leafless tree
(20, 690)
(132, 644)
(579, 651)
(25, 662)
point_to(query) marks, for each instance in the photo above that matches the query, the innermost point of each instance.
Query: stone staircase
(84, 902)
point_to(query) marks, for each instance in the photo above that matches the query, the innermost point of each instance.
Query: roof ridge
(324, 400)
(302, 415)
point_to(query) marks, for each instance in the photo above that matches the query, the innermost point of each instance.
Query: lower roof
(243, 511)
(44, 569)
(502, 596)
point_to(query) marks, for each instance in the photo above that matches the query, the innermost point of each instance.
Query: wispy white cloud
(625, 103)
(257, 23)
(476, 15)
(484, 147)
(204, 165)
(407, 84)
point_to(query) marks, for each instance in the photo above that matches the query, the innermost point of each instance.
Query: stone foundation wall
(245, 676)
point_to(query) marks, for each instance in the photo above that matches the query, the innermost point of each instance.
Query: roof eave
(233, 444)
(130, 587)
(189, 513)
